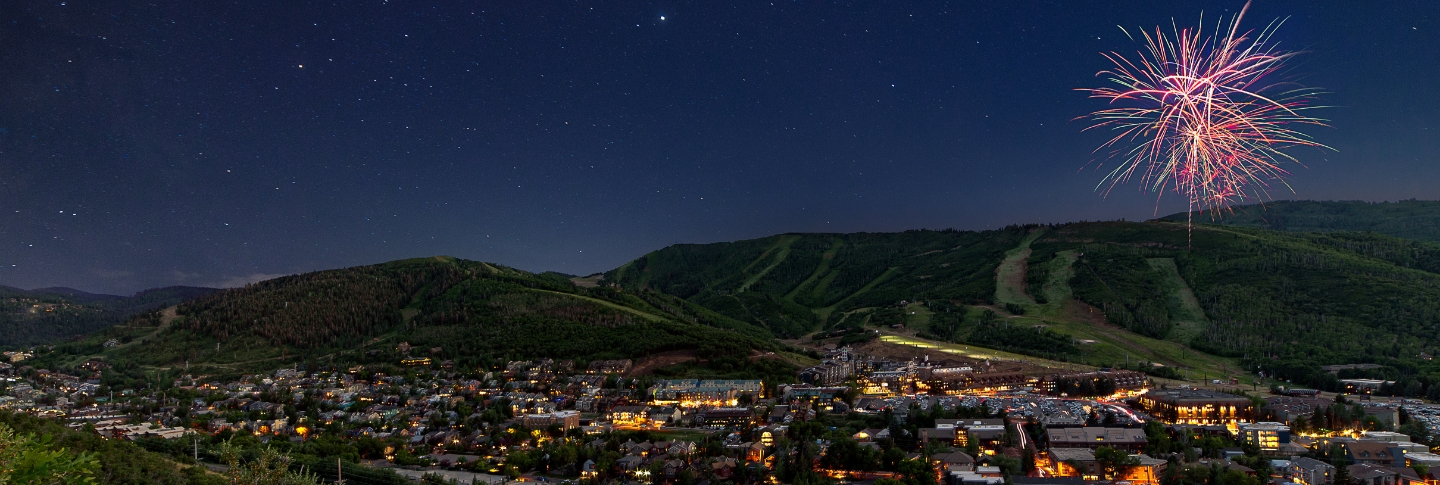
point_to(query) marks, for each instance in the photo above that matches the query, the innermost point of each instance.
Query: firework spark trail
(1199, 115)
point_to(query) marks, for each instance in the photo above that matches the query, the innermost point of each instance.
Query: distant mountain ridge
(1410, 219)
(49, 314)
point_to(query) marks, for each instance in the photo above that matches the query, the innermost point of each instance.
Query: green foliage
(119, 462)
(475, 312)
(26, 459)
(1037, 272)
(847, 454)
(1102, 386)
(54, 314)
(270, 468)
(824, 272)
(1119, 280)
(947, 320)
(1410, 219)
(1114, 463)
(1000, 334)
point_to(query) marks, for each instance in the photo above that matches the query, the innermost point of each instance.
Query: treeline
(1120, 281)
(993, 332)
(1410, 219)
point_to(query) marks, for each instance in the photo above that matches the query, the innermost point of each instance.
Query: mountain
(471, 313)
(45, 315)
(1096, 292)
(1147, 295)
(1410, 219)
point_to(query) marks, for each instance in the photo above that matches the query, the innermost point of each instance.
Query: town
(853, 418)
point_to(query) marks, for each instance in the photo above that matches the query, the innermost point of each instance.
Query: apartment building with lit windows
(1268, 436)
(1197, 406)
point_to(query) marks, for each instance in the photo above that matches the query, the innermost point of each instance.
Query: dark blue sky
(148, 144)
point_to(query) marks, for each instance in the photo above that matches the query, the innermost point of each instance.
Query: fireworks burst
(1197, 114)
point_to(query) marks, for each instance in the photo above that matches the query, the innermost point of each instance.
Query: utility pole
(339, 475)
(196, 442)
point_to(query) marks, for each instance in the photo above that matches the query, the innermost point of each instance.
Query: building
(1363, 386)
(1094, 437)
(1309, 471)
(1197, 406)
(1372, 452)
(1269, 436)
(566, 420)
(828, 373)
(1074, 462)
(1289, 408)
(725, 418)
(609, 366)
(1367, 474)
(714, 392)
(628, 415)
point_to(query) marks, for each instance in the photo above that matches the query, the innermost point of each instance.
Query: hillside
(471, 313)
(1410, 219)
(1102, 293)
(794, 284)
(46, 315)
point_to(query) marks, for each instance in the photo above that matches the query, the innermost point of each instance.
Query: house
(871, 434)
(723, 468)
(630, 462)
(1367, 474)
(1371, 452)
(955, 460)
(1310, 471)
(673, 468)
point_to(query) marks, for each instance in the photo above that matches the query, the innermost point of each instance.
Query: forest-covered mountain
(1410, 219)
(1279, 301)
(471, 313)
(793, 283)
(1100, 293)
(52, 314)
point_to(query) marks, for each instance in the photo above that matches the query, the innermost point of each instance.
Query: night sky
(148, 144)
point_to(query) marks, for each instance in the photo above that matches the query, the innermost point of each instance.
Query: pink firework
(1200, 115)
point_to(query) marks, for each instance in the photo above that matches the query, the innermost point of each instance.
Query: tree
(1114, 463)
(270, 468)
(916, 472)
(26, 459)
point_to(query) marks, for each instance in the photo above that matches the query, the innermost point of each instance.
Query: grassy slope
(1133, 288)
(1010, 276)
(781, 281)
